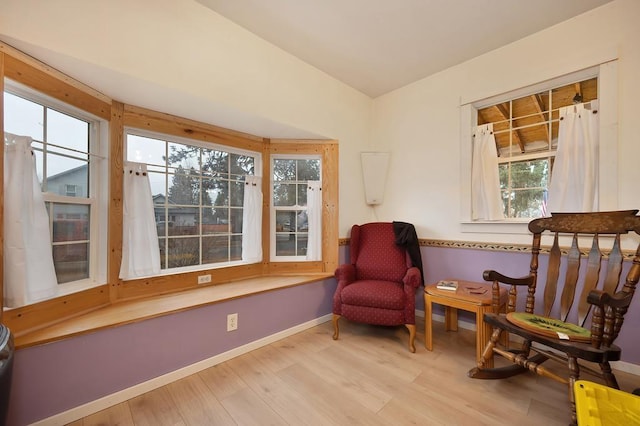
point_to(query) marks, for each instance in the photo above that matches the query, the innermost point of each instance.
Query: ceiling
(376, 46)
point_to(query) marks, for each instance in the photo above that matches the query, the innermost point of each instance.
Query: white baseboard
(137, 390)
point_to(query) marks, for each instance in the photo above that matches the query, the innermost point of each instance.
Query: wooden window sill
(141, 309)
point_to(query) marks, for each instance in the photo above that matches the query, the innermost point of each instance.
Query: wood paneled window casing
(115, 117)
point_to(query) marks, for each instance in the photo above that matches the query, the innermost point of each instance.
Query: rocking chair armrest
(491, 275)
(413, 277)
(346, 273)
(600, 298)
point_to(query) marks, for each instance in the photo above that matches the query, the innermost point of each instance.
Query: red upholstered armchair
(379, 285)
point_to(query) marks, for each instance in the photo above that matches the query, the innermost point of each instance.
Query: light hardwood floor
(367, 377)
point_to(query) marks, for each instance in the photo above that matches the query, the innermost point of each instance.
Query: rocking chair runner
(557, 338)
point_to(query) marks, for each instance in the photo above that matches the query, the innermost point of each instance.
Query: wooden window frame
(32, 73)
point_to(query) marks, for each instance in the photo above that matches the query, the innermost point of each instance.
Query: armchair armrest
(345, 274)
(413, 278)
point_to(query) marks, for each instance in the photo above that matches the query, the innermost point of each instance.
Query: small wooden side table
(471, 297)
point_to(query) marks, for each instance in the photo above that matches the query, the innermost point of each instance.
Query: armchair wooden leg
(336, 329)
(412, 337)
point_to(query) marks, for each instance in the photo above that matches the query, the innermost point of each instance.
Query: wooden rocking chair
(557, 331)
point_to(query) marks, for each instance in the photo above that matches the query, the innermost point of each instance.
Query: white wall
(420, 123)
(180, 57)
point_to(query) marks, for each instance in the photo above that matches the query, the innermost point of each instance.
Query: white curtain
(29, 274)
(252, 220)
(574, 181)
(140, 250)
(314, 220)
(485, 184)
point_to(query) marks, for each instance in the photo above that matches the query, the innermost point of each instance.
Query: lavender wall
(56, 377)
(467, 264)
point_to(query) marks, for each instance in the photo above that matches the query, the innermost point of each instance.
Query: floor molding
(137, 390)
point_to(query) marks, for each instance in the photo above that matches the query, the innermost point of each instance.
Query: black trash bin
(6, 367)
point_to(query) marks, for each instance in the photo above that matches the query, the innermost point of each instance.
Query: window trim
(607, 74)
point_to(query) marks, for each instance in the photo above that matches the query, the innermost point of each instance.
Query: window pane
(302, 194)
(302, 222)
(184, 221)
(71, 262)
(183, 252)
(308, 170)
(216, 225)
(67, 131)
(164, 226)
(215, 162)
(236, 248)
(183, 156)
(236, 194)
(221, 215)
(530, 174)
(584, 91)
(67, 176)
(503, 171)
(284, 170)
(23, 117)
(220, 192)
(499, 115)
(70, 222)
(236, 221)
(184, 187)
(285, 245)
(141, 149)
(526, 203)
(215, 249)
(158, 182)
(301, 246)
(206, 213)
(284, 194)
(530, 109)
(242, 165)
(162, 244)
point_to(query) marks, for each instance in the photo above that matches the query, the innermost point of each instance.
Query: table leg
(450, 319)
(428, 332)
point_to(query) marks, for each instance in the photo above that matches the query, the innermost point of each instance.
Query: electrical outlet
(203, 279)
(232, 322)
